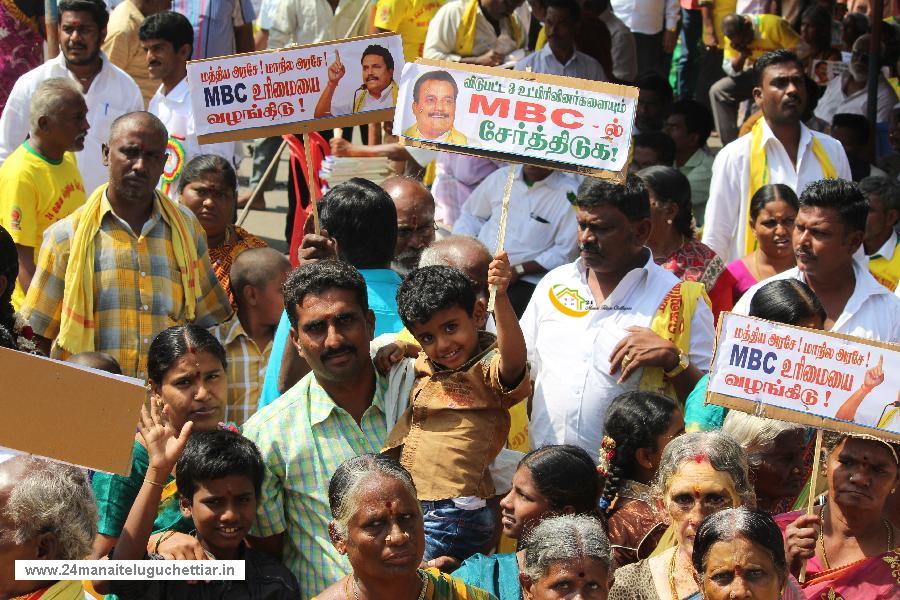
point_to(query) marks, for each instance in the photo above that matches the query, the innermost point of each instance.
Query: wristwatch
(519, 268)
(683, 363)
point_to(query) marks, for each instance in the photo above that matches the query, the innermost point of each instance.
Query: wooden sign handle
(501, 230)
(313, 188)
(813, 481)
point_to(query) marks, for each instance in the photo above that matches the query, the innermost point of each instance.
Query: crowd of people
(352, 421)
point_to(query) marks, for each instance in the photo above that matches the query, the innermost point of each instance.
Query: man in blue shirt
(359, 226)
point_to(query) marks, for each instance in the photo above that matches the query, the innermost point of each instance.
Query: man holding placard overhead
(610, 322)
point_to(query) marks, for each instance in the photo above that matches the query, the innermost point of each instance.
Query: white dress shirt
(540, 223)
(872, 312)
(440, 43)
(569, 355)
(311, 21)
(386, 100)
(174, 110)
(112, 94)
(725, 223)
(649, 17)
(579, 65)
(834, 101)
(623, 48)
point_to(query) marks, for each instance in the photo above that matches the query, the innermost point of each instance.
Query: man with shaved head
(415, 221)
(127, 264)
(464, 253)
(47, 512)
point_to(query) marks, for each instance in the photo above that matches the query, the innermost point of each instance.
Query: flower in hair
(229, 427)
(607, 454)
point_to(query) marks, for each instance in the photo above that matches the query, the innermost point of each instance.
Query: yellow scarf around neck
(61, 590)
(76, 330)
(759, 173)
(672, 322)
(465, 35)
(359, 97)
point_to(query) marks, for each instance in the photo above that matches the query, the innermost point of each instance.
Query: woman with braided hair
(550, 481)
(638, 427)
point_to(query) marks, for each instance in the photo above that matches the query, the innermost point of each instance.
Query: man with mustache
(108, 90)
(779, 149)
(610, 322)
(434, 107)
(123, 45)
(378, 89)
(747, 37)
(829, 229)
(849, 92)
(415, 221)
(167, 41)
(127, 264)
(39, 182)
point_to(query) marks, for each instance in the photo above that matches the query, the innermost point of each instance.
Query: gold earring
(669, 221)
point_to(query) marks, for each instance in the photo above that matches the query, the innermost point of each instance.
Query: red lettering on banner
(529, 112)
(557, 117)
(479, 103)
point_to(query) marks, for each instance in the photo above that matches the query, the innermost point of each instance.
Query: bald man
(464, 253)
(141, 251)
(415, 221)
(47, 512)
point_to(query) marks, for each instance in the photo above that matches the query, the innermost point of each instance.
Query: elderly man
(415, 221)
(779, 149)
(611, 322)
(747, 37)
(127, 264)
(541, 232)
(849, 92)
(39, 182)
(464, 253)
(378, 91)
(830, 227)
(108, 90)
(47, 512)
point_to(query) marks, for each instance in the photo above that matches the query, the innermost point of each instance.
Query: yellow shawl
(465, 36)
(759, 173)
(76, 330)
(61, 590)
(360, 98)
(673, 322)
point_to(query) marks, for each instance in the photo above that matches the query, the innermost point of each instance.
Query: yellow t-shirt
(409, 18)
(770, 32)
(36, 192)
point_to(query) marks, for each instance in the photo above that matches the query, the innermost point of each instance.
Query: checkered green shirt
(304, 437)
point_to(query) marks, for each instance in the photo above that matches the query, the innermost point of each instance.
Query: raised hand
(874, 376)
(163, 441)
(336, 70)
(500, 273)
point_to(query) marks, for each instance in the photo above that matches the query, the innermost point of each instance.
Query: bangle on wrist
(162, 537)
(151, 482)
(679, 368)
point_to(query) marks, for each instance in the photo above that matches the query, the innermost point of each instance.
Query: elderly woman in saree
(779, 457)
(739, 553)
(850, 548)
(699, 474)
(566, 557)
(47, 512)
(377, 524)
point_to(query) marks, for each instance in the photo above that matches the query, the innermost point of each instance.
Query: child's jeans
(452, 531)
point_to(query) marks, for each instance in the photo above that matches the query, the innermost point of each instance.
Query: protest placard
(558, 122)
(295, 90)
(817, 378)
(68, 413)
(823, 71)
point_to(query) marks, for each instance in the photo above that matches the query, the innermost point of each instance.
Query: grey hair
(446, 252)
(562, 539)
(351, 475)
(755, 433)
(54, 498)
(716, 447)
(50, 97)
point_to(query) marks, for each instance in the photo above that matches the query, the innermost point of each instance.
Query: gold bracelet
(163, 537)
(151, 482)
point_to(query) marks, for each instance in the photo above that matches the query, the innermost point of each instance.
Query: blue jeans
(689, 62)
(452, 531)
